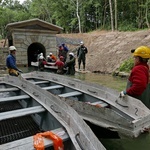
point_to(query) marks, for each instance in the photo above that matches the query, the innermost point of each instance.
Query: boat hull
(97, 104)
(50, 114)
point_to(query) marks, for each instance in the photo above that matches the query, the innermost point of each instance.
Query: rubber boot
(83, 67)
(79, 68)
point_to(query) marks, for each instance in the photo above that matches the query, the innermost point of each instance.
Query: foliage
(75, 14)
(127, 65)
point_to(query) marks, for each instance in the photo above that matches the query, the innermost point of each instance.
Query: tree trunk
(111, 16)
(77, 12)
(146, 14)
(116, 22)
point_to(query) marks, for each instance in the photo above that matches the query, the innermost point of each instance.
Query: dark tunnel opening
(33, 50)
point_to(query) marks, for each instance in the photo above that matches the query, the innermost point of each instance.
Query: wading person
(52, 57)
(70, 64)
(81, 54)
(41, 64)
(64, 51)
(60, 64)
(137, 85)
(11, 62)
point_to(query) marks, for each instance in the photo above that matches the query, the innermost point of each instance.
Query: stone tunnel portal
(33, 50)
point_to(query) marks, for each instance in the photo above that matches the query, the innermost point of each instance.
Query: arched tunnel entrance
(33, 50)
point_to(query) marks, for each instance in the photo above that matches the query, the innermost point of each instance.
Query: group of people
(64, 62)
(138, 85)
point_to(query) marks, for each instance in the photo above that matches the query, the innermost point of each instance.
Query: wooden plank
(39, 82)
(70, 94)
(53, 87)
(9, 89)
(21, 112)
(14, 98)
(27, 143)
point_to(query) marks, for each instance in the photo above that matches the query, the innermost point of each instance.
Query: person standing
(70, 64)
(11, 62)
(137, 85)
(64, 51)
(81, 54)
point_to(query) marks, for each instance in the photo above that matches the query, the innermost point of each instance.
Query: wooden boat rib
(27, 110)
(96, 103)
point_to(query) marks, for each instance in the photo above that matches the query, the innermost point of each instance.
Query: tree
(111, 16)
(116, 22)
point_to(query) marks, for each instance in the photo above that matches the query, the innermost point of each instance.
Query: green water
(140, 143)
(106, 80)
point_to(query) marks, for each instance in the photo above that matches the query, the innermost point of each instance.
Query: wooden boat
(97, 104)
(27, 110)
(50, 66)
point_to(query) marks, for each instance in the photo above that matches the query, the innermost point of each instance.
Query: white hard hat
(41, 54)
(41, 57)
(12, 48)
(47, 55)
(81, 42)
(72, 54)
(50, 53)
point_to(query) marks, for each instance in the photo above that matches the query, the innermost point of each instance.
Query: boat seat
(21, 112)
(9, 89)
(53, 87)
(70, 94)
(39, 82)
(27, 143)
(14, 98)
(99, 104)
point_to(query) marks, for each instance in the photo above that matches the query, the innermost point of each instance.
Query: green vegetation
(127, 65)
(79, 16)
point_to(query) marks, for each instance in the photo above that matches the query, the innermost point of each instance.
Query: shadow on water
(109, 139)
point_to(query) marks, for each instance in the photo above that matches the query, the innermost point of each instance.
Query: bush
(127, 65)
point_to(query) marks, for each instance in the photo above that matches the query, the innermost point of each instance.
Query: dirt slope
(107, 50)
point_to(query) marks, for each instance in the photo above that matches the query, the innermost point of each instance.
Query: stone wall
(3, 54)
(22, 40)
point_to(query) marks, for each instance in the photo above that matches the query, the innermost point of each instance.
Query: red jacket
(60, 64)
(139, 79)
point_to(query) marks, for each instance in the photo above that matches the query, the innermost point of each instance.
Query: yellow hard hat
(142, 51)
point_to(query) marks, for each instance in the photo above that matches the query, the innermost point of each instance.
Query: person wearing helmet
(40, 54)
(42, 62)
(11, 62)
(64, 51)
(70, 64)
(60, 65)
(52, 57)
(137, 85)
(81, 54)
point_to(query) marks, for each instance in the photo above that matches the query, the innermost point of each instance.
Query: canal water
(117, 83)
(140, 143)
